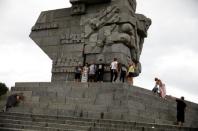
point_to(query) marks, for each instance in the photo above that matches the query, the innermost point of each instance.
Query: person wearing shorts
(130, 73)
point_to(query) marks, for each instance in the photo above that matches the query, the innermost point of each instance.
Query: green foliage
(3, 89)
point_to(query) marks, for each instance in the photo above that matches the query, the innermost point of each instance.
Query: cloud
(18, 17)
(179, 69)
(23, 62)
(170, 51)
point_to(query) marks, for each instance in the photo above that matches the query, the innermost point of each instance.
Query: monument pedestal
(116, 101)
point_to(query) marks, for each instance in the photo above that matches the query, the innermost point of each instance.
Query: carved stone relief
(78, 9)
(91, 31)
(72, 38)
(47, 26)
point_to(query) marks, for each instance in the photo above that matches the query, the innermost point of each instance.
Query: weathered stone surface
(88, 31)
(115, 100)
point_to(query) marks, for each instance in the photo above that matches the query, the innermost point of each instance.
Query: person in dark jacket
(156, 87)
(13, 100)
(100, 71)
(181, 108)
(78, 71)
(123, 71)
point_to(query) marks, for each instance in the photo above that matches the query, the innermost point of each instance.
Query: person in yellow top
(130, 73)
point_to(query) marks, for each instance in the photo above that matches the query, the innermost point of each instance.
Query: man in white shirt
(92, 72)
(114, 69)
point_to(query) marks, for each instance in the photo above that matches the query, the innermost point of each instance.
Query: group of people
(128, 73)
(159, 88)
(94, 72)
(91, 73)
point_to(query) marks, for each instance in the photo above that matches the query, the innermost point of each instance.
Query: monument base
(116, 101)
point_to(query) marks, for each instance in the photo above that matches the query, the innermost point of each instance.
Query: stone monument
(91, 31)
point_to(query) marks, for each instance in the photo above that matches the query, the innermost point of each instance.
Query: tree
(3, 89)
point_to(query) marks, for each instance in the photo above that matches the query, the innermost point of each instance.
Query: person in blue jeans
(123, 71)
(114, 70)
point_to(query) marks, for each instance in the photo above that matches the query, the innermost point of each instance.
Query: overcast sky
(170, 51)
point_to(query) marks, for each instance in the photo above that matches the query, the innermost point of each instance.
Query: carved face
(147, 24)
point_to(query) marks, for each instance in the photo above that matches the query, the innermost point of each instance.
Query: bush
(3, 89)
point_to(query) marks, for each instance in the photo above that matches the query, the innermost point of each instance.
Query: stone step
(100, 125)
(136, 115)
(116, 100)
(47, 124)
(81, 121)
(43, 118)
(67, 120)
(119, 113)
(12, 129)
(140, 129)
(115, 129)
(36, 128)
(135, 118)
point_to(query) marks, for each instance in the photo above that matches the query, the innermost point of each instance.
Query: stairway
(93, 106)
(29, 122)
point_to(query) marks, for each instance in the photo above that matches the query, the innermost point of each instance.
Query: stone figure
(89, 31)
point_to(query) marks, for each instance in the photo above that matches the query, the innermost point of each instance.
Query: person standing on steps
(85, 71)
(181, 109)
(92, 72)
(114, 69)
(130, 73)
(100, 71)
(162, 89)
(78, 71)
(123, 71)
